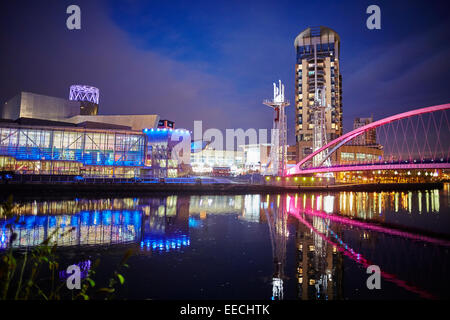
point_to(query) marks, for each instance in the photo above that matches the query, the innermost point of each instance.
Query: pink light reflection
(361, 260)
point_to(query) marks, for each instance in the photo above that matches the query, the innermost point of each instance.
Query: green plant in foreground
(108, 292)
(21, 278)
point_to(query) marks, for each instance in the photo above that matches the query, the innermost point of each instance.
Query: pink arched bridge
(417, 139)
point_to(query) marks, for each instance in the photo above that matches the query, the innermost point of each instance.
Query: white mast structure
(278, 150)
(319, 108)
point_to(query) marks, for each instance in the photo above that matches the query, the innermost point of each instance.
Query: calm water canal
(291, 246)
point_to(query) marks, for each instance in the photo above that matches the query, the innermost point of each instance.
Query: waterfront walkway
(130, 187)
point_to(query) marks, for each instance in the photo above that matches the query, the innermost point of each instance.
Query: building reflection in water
(157, 224)
(320, 248)
(273, 211)
(214, 204)
(366, 205)
(166, 224)
(90, 228)
(163, 224)
(319, 265)
(109, 221)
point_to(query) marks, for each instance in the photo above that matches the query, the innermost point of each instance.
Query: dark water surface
(291, 246)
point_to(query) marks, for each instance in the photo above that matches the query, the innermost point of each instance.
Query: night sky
(216, 60)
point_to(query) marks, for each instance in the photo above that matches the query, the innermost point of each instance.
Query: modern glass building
(89, 152)
(369, 138)
(44, 135)
(323, 44)
(204, 161)
(167, 152)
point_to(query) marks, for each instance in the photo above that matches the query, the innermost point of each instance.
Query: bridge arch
(338, 142)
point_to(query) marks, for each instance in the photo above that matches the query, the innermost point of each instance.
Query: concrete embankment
(54, 190)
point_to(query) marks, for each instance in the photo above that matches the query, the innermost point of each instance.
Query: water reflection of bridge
(109, 221)
(321, 244)
(319, 266)
(323, 225)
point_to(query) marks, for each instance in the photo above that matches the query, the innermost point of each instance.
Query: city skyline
(223, 63)
(203, 152)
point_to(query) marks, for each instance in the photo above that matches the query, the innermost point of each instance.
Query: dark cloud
(45, 57)
(408, 74)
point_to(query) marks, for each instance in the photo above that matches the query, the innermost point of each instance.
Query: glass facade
(205, 160)
(71, 151)
(92, 152)
(349, 154)
(161, 154)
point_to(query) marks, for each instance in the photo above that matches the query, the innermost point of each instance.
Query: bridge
(410, 141)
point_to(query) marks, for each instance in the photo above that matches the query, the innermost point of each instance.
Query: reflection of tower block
(319, 265)
(87, 96)
(278, 151)
(320, 130)
(277, 223)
